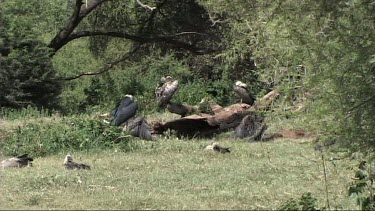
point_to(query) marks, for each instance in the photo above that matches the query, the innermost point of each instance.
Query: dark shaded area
(203, 125)
(252, 126)
(140, 128)
(188, 127)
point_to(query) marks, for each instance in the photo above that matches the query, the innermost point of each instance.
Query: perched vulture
(252, 126)
(241, 91)
(124, 110)
(139, 128)
(215, 147)
(165, 91)
(69, 164)
(18, 162)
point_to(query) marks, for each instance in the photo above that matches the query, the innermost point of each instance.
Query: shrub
(306, 202)
(362, 188)
(75, 133)
(27, 77)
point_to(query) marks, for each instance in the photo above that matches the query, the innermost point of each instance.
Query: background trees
(318, 53)
(27, 76)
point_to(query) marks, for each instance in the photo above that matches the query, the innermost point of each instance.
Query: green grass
(178, 174)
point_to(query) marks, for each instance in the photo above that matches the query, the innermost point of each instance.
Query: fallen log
(204, 125)
(266, 101)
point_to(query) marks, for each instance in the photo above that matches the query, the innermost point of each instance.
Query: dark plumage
(241, 91)
(139, 128)
(165, 91)
(18, 162)
(124, 110)
(70, 164)
(252, 126)
(181, 109)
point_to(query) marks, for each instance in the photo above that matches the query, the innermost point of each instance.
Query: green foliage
(306, 202)
(24, 113)
(71, 60)
(191, 93)
(68, 134)
(26, 75)
(319, 54)
(362, 187)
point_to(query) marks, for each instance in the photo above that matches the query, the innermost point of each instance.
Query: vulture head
(241, 84)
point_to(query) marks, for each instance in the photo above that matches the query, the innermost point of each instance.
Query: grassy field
(178, 174)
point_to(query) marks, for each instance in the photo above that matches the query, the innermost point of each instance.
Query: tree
(26, 73)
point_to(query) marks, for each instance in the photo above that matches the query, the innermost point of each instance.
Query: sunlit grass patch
(179, 174)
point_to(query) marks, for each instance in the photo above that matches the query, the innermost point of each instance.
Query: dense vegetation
(319, 53)
(64, 61)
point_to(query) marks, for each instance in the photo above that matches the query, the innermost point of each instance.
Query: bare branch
(214, 22)
(104, 69)
(359, 105)
(145, 6)
(150, 19)
(184, 33)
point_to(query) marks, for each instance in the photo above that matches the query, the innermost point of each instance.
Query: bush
(75, 133)
(362, 186)
(27, 77)
(306, 202)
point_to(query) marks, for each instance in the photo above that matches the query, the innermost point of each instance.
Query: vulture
(241, 91)
(124, 110)
(139, 128)
(165, 91)
(215, 147)
(19, 161)
(252, 126)
(70, 164)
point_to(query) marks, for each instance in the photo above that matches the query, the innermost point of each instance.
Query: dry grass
(178, 174)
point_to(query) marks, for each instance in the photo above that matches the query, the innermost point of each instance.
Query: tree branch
(359, 105)
(65, 35)
(104, 69)
(145, 6)
(141, 39)
(150, 19)
(78, 14)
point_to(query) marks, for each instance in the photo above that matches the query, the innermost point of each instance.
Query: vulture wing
(125, 112)
(244, 95)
